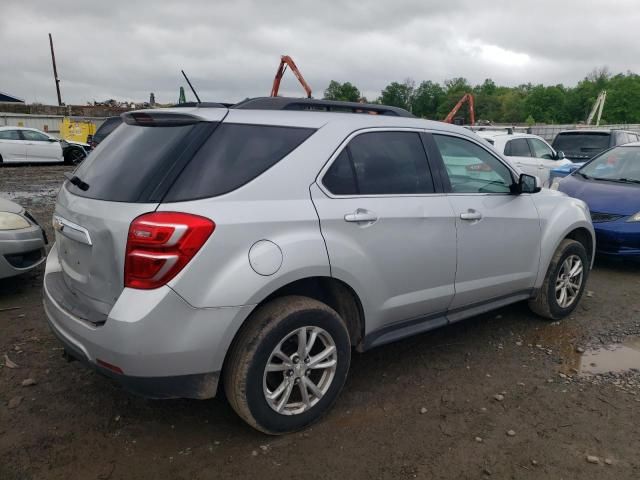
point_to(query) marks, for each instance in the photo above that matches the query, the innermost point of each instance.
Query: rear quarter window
(234, 155)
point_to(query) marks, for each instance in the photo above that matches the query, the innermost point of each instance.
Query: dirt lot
(421, 408)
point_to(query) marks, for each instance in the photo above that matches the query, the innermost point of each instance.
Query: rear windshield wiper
(583, 175)
(77, 182)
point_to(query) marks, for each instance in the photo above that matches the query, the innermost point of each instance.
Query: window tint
(9, 135)
(128, 164)
(234, 155)
(106, 128)
(517, 148)
(540, 149)
(471, 169)
(389, 163)
(340, 179)
(34, 136)
(579, 142)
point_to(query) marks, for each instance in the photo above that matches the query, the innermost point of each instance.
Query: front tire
(287, 365)
(564, 283)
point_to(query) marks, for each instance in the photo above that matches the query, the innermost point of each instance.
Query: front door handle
(361, 216)
(471, 215)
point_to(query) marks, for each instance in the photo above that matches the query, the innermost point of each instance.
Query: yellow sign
(76, 130)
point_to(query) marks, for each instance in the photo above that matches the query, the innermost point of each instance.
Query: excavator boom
(467, 97)
(287, 61)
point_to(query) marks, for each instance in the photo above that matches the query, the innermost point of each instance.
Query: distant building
(6, 98)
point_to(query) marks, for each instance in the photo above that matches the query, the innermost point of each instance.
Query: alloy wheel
(300, 370)
(569, 281)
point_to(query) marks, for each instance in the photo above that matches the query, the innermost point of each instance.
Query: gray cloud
(126, 49)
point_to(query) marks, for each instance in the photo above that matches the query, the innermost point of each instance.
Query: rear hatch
(581, 146)
(127, 175)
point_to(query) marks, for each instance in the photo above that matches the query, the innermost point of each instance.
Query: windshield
(579, 142)
(621, 164)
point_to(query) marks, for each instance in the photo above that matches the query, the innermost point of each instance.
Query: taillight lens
(160, 244)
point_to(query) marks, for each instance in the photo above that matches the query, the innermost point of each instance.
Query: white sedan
(19, 144)
(529, 153)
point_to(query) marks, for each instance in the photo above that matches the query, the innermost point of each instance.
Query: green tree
(345, 92)
(426, 99)
(399, 94)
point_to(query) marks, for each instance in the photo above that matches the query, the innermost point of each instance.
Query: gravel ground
(502, 395)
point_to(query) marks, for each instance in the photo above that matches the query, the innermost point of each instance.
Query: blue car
(556, 174)
(610, 185)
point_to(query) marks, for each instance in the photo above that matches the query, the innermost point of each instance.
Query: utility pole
(55, 71)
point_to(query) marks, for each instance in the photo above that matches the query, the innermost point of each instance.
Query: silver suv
(255, 246)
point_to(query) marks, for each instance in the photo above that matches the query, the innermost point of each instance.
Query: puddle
(615, 358)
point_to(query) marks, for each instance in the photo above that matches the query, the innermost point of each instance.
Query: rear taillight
(160, 244)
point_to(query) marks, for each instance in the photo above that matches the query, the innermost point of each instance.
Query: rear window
(106, 128)
(129, 164)
(234, 155)
(581, 142)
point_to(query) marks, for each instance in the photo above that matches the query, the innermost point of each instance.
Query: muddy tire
(564, 282)
(287, 365)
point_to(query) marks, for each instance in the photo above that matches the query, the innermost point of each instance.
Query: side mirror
(527, 184)
(52, 140)
(560, 155)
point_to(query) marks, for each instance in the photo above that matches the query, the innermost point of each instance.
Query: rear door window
(381, 163)
(234, 155)
(517, 148)
(9, 135)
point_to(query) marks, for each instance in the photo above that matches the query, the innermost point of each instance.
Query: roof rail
(202, 104)
(311, 104)
(489, 128)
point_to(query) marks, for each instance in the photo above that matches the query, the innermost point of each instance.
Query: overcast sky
(231, 49)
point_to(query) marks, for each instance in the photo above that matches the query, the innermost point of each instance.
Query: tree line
(526, 103)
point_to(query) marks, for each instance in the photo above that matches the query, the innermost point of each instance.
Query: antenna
(191, 86)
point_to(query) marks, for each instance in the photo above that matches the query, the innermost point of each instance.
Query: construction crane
(287, 61)
(467, 97)
(597, 107)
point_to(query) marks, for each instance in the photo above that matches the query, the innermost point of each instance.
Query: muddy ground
(420, 408)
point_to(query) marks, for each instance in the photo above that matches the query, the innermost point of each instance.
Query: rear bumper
(160, 346)
(618, 238)
(21, 250)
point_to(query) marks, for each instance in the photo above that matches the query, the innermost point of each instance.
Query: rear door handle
(471, 215)
(361, 215)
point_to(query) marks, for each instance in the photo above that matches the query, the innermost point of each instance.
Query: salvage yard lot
(439, 405)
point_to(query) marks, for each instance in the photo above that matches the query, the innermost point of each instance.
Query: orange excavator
(472, 114)
(287, 61)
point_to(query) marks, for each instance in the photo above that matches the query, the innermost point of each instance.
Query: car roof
(13, 127)
(501, 133)
(311, 118)
(595, 130)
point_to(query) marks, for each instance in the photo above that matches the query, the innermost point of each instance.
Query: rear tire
(564, 282)
(272, 336)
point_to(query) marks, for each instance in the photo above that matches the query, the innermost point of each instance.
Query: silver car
(260, 244)
(22, 240)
